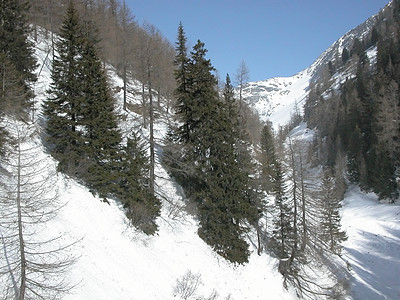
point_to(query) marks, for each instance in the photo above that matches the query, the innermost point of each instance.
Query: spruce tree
(15, 43)
(282, 234)
(268, 158)
(141, 206)
(184, 102)
(65, 96)
(101, 136)
(208, 156)
(330, 228)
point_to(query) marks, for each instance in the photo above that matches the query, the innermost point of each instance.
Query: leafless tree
(33, 265)
(241, 77)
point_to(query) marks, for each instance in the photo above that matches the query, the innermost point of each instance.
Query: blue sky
(273, 37)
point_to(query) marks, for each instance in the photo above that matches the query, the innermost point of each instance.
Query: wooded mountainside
(238, 182)
(359, 121)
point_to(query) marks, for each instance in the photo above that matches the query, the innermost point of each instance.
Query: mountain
(275, 99)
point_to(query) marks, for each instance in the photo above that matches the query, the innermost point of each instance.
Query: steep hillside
(275, 99)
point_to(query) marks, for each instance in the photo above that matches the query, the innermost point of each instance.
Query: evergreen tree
(184, 101)
(222, 198)
(14, 42)
(282, 235)
(207, 154)
(83, 131)
(268, 158)
(101, 136)
(330, 227)
(62, 108)
(141, 206)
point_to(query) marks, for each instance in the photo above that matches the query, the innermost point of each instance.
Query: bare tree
(241, 77)
(34, 266)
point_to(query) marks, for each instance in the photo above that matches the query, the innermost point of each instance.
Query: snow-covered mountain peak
(275, 99)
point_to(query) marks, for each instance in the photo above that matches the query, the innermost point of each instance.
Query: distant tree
(242, 76)
(268, 158)
(330, 225)
(345, 55)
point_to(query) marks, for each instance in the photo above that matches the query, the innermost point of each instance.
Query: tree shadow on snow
(376, 266)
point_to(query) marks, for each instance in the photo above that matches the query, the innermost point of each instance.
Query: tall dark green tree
(14, 41)
(101, 136)
(184, 102)
(268, 159)
(208, 154)
(282, 234)
(82, 126)
(142, 207)
(63, 106)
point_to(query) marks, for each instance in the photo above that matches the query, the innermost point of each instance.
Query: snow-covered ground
(373, 247)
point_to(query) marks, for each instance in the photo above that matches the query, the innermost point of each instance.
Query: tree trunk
(152, 157)
(21, 295)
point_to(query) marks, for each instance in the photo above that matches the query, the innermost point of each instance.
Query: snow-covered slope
(373, 246)
(275, 99)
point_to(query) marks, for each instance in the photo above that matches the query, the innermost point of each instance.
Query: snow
(275, 99)
(373, 247)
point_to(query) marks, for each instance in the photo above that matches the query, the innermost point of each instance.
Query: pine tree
(83, 130)
(281, 240)
(184, 101)
(62, 108)
(15, 44)
(330, 227)
(141, 206)
(101, 135)
(208, 156)
(268, 158)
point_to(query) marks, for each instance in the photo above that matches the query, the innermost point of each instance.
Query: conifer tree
(83, 130)
(101, 136)
(141, 206)
(14, 42)
(268, 158)
(281, 240)
(330, 228)
(211, 163)
(184, 102)
(62, 108)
